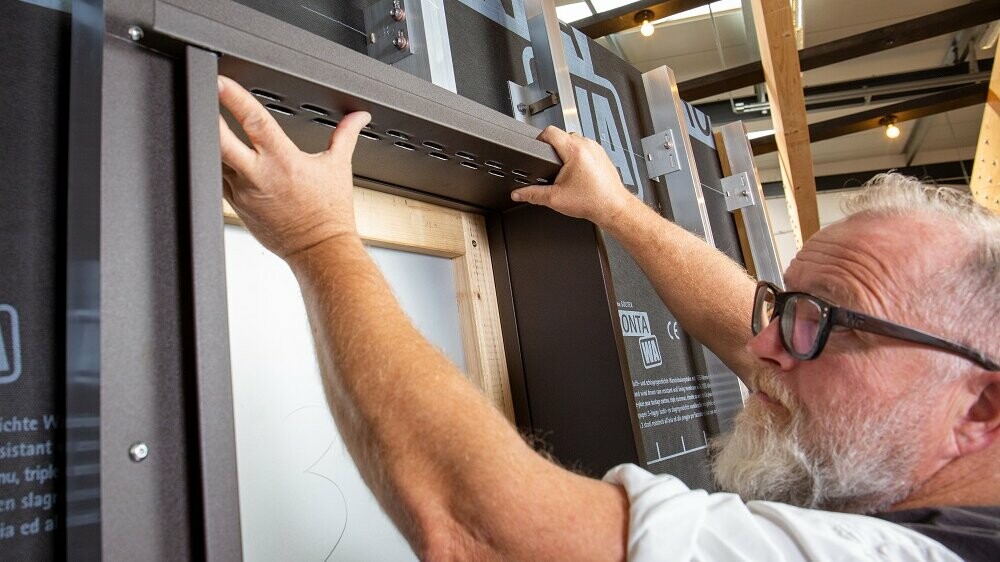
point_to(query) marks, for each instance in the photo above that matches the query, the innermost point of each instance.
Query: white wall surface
(301, 496)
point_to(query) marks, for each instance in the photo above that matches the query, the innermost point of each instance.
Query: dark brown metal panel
(620, 19)
(508, 322)
(146, 506)
(568, 340)
(896, 35)
(908, 110)
(398, 148)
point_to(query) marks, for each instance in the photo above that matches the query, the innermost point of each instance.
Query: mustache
(766, 380)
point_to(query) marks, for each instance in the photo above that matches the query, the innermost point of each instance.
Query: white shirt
(669, 521)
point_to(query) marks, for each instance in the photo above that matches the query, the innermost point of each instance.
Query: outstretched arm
(453, 474)
(709, 293)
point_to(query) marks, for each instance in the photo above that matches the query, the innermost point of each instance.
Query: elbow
(446, 540)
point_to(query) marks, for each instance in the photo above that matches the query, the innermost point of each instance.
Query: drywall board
(301, 497)
(34, 73)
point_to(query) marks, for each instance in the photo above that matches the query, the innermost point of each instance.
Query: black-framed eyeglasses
(806, 321)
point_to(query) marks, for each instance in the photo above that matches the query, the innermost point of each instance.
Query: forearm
(443, 462)
(709, 294)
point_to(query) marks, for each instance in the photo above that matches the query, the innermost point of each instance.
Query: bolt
(138, 452)
(397, 14)
(135, 33)
(400, 42)
(522, 108)
(743, 193)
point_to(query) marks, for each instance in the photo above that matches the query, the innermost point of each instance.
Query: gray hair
(971, 290)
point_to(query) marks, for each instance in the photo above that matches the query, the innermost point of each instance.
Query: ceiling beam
(779, 57)
(985, 180)
(896, 35)
(620, 19)
(915, 108)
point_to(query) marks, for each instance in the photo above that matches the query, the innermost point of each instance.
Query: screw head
(522, 108)
(138, 452)
(401, 42)
(474, 243)
(135, 33)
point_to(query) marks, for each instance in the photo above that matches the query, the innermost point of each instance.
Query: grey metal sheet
(209, 314)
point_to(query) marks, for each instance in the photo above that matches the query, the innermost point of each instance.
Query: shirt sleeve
(668, 521)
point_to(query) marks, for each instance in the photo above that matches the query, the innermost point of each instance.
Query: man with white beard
(872, 431)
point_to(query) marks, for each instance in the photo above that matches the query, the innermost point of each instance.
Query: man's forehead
(866, 258)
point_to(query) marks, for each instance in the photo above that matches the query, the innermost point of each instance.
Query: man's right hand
(588, 185)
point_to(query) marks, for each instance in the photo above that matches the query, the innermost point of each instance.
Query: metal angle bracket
(531, 102)
(660, 151)
(737, 191)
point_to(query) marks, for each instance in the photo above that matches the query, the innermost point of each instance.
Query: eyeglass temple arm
(865, 323)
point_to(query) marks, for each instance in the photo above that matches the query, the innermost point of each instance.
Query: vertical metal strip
(82, 469)
(550, 58)
(683, 184)
(758, 225)
(209, 314)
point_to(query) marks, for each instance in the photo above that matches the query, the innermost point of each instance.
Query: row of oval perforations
(402, 140)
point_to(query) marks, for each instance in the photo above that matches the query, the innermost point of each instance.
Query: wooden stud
(485, 361)
(776, 36)
(985, 181)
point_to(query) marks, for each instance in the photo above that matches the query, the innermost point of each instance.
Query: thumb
(345, 136)
(534, 194)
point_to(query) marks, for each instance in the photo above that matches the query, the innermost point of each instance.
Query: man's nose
(767, 347)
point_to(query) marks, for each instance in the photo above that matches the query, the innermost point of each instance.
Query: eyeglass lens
(800, 324)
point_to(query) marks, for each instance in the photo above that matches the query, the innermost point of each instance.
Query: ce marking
(673, 330)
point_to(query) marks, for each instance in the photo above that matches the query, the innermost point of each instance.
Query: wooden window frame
(399, 223)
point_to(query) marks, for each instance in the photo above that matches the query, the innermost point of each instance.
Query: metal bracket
(660, 151)
(737, 190)
(530, 102)
(548, 100)
(388, 26)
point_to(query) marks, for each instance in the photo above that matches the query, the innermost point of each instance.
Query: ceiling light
(889, 122)
(644, 18)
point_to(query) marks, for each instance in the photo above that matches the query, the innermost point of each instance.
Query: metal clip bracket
(660, 150)
(531, 102)
(737, 191)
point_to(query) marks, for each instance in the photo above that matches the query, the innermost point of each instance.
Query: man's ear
(980, 427)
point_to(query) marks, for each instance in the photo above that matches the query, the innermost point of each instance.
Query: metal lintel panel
(338, 79)
(402, 149)
(758, 225)
(209, 314)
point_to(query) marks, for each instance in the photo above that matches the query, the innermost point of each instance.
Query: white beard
(857, 457)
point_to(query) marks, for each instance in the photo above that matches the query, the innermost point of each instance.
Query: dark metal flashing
(873, 41)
